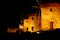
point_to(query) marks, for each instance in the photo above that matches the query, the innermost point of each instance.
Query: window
(26, 21)
(51, 10)
(32, 18)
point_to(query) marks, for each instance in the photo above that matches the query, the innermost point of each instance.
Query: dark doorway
(51, 25)
(32, 28)
(27, 28)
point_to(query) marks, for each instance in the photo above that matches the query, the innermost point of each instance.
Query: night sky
(14, 10)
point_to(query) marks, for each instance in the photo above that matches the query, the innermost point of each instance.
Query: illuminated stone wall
(31, 24)
(50, 19)
(50, 13)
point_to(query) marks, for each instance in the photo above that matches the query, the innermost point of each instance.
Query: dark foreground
(47, 35)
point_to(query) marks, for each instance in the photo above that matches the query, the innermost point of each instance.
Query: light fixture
(37, 32)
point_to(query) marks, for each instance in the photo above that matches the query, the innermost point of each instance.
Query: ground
(32, 36)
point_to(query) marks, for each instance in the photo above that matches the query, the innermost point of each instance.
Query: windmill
(38, 7)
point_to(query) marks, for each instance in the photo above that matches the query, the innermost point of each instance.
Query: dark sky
(25, 6)
(13, 10)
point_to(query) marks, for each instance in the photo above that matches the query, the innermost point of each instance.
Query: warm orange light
(50, 19)
(37, 32)
(10, 30)
(20, 26)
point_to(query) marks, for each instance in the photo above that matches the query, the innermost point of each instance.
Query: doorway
(51, 25)
(32, 28)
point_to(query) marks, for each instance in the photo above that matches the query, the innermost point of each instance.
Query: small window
(32, 18)
(51, 10)
(26, 21)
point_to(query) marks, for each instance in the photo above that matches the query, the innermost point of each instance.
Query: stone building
(49, 19)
